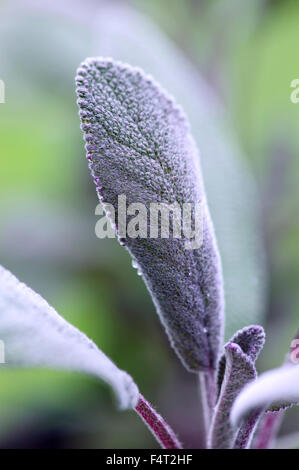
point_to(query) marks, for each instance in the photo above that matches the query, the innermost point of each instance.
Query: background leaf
(34, 335)
(277, 385)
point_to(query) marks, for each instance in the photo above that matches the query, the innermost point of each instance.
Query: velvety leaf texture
(139, 145)
(245, 434)
(230, 187)
(278, 385)
(251, 340)
(239, 371)
(34, 335)
(267, 430)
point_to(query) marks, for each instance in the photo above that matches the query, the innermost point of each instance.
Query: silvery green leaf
(277, 385)
(123, 33)
(251, 340)
(35, 335)
(239, 371)
(139, 145)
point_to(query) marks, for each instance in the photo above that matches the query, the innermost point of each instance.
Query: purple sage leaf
(251, 340)
(138, 144)
(230, 187)
(239, 371)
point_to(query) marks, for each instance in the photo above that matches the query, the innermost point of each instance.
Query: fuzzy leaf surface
(35, 335)
(139, 145)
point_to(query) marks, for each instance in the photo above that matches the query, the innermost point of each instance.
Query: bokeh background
(229, 63)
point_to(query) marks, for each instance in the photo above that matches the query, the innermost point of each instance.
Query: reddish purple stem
(158, 426)
(246, 431)
(268, 429)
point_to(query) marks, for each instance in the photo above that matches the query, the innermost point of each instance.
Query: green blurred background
(230, 64)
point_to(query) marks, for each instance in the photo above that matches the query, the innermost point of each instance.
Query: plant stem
(268, 429)
(207, 380)
(246, 431)
(157, 425)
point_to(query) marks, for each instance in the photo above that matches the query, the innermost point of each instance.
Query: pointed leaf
(238, 372)
(125, 34)
(251, 340)
(139, 145)
(34, 335)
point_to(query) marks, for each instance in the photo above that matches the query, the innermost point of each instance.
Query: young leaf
(277, 385)
(251, 340)
(139, 145)
(239, 371)
(34, 335)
